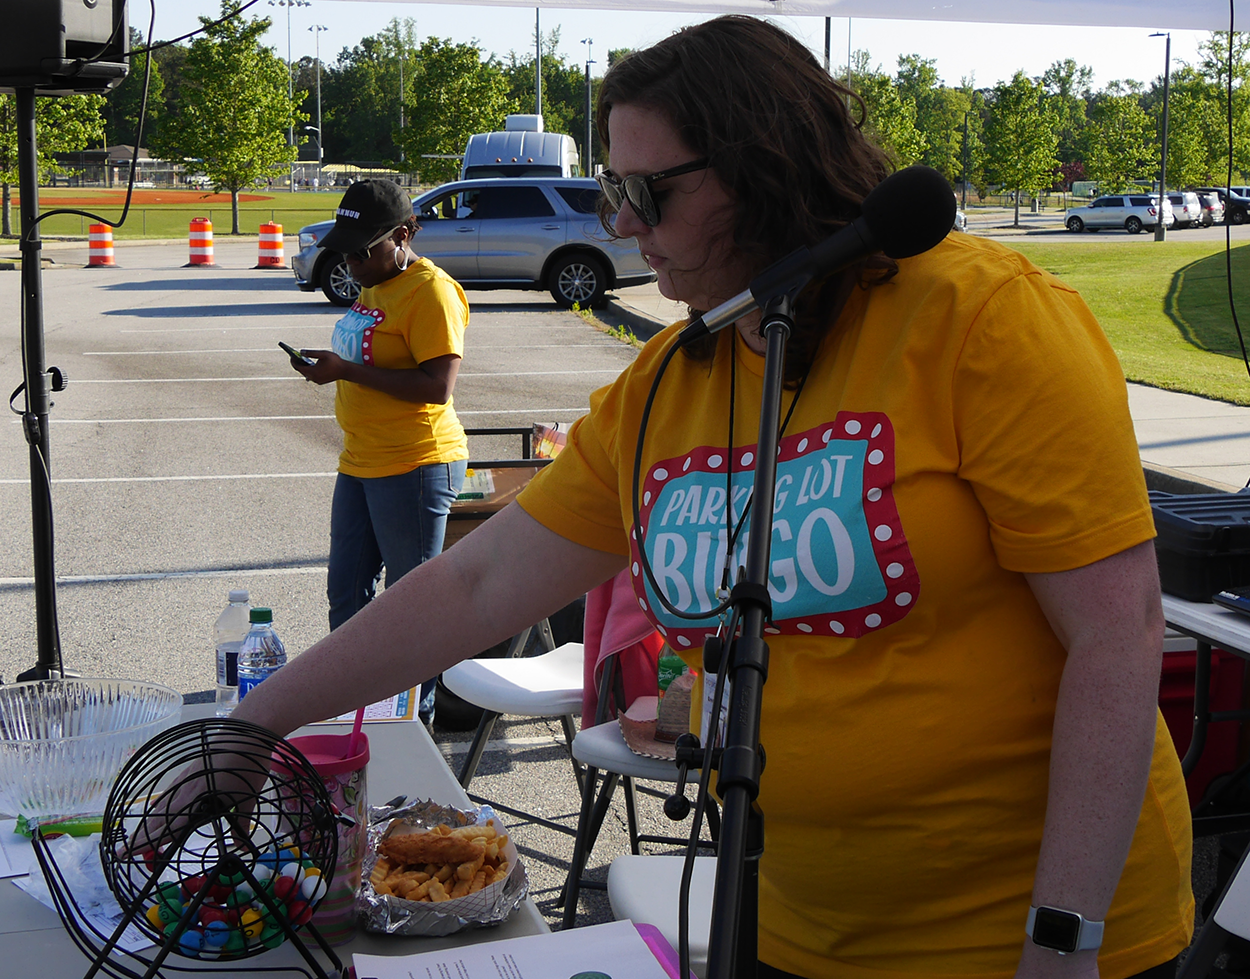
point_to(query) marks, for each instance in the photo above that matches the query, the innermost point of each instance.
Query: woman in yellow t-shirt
(394, 359)
(960, 715)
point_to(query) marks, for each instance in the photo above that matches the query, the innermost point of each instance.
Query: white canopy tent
(1210, 15)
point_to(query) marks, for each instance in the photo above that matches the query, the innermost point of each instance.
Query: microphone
(907, 213)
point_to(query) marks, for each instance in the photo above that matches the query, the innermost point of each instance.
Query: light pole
(964, 206)
(290, 81)
(1161, 231)
(589, 42)
(316, 32)
(538, 64)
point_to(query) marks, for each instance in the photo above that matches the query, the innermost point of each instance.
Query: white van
(521, 150)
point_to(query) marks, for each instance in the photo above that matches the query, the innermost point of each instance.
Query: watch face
(1055, 929)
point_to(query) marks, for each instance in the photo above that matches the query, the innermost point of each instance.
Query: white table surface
(403, 761)
(1209, 622)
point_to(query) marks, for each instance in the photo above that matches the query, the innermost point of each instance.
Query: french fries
(444, 881)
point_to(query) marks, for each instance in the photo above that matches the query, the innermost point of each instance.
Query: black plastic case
(1203, 544)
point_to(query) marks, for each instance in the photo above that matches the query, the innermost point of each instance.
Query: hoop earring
(407, 260)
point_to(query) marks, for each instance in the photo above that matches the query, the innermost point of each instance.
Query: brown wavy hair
(778, 132)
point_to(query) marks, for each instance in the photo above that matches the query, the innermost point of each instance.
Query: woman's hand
(329, 366)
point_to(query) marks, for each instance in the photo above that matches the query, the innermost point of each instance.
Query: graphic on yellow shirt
(353, 333)
(840, 564)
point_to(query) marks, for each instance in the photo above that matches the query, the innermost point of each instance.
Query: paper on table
(17, 855)
(401, 707)
(611, 951)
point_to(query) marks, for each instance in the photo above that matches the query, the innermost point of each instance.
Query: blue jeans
(396, 522)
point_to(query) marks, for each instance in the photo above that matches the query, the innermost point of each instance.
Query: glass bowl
(62, 742)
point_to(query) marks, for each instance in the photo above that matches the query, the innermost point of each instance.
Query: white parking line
(95, 579)
(327, 326)
(175, 479)
(236, 380)
(580, 410)
(265, 350)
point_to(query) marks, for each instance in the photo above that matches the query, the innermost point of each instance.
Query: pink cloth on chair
(615, 624)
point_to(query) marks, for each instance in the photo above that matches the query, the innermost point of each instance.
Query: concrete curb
(618, 313)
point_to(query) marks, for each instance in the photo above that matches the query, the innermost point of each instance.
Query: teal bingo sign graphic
(352, 338)
(839, 565)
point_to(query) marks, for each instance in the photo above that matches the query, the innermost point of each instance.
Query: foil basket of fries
(421, 854)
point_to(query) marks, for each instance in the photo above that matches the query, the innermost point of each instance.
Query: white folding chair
(646, 890)
(602, 748)
(1229, 917)
(549, 685)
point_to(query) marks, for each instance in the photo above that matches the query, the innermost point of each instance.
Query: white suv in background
(1186, 208)
(1128, 211)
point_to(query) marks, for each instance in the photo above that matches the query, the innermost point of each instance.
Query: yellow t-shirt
(963, 423)
(412, 317)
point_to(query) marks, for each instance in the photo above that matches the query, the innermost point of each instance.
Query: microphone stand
(733, 942)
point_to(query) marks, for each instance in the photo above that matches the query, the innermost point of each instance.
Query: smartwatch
(1063, 931)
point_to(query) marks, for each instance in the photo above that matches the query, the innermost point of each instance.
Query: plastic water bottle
(231, 628)
(262, 654)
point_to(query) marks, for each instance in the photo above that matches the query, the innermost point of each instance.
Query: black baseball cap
(368, 208)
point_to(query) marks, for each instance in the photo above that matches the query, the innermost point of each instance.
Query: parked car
(1186, 208)
(500, 233)
(1127, 211)
(1236, 206)
(1212, 209)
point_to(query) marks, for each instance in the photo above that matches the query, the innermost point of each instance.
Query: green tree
(1214, 65)
(939, 113)
(1068, 91)
(890, 119)
(1194, 128)
(124, 102)
(454, 94)
(1020, 138)
(1121, 138)
(231, 121)
(64, 124)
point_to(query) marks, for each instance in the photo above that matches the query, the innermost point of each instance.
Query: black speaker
(61, 47)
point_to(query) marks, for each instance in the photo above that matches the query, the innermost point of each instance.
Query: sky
(985, 52)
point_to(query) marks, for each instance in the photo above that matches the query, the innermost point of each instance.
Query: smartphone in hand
(295, 354)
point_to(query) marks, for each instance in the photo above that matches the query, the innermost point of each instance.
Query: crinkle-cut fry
(500, 872)
(405, 888)
(466, 870)
(445, 873)
(442, 829)
(478, 881)
(492, 851)
(475, 832)
(432, 868)
(461, 889)
(437, 892)
(381, 887)
(380, 870)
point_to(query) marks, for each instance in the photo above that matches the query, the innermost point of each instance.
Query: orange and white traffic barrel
(201, 242)
(271, 255)
(100, 246)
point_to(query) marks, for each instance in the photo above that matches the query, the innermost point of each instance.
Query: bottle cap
(260, 614)
(239, 595)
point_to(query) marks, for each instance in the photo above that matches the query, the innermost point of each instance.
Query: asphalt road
(187, 457)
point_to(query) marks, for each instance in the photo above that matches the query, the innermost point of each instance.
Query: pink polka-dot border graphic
(366, 336)
(885, 530)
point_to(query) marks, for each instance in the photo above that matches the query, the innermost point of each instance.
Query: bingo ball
(252, 878)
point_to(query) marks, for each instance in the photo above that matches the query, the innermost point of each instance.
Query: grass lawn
(167, 214)
(1164, 307)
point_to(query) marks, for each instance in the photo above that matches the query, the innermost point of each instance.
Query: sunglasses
(363, 253)
(637, 189)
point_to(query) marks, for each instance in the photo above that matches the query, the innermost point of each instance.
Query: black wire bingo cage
(204, 863)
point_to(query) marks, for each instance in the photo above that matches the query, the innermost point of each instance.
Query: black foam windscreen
(910, 211)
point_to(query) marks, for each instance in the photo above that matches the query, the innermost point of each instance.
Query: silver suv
(1130, 212)
(500, 233)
